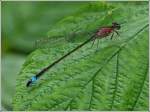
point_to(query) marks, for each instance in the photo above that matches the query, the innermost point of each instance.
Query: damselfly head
(116, 25)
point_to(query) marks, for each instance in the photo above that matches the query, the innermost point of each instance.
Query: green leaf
(111, 76)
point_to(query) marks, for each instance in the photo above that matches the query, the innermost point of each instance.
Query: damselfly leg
(93, 41)
(112, 35)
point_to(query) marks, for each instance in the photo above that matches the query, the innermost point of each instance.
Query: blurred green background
(23, 23)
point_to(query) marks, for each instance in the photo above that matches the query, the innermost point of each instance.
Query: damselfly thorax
(106, 31)
(103, 32)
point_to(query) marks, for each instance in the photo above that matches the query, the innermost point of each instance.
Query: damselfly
(100, 33)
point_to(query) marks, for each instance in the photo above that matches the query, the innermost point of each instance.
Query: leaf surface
(110, 76)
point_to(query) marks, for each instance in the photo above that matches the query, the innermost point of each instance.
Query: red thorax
(103, 32)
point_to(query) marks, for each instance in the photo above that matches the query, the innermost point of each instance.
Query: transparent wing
(60, 40)
(50, 42)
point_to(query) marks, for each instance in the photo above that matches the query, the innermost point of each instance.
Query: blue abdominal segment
(31, 81)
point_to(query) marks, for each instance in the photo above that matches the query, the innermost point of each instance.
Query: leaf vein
(116, 82)
(140, 90)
